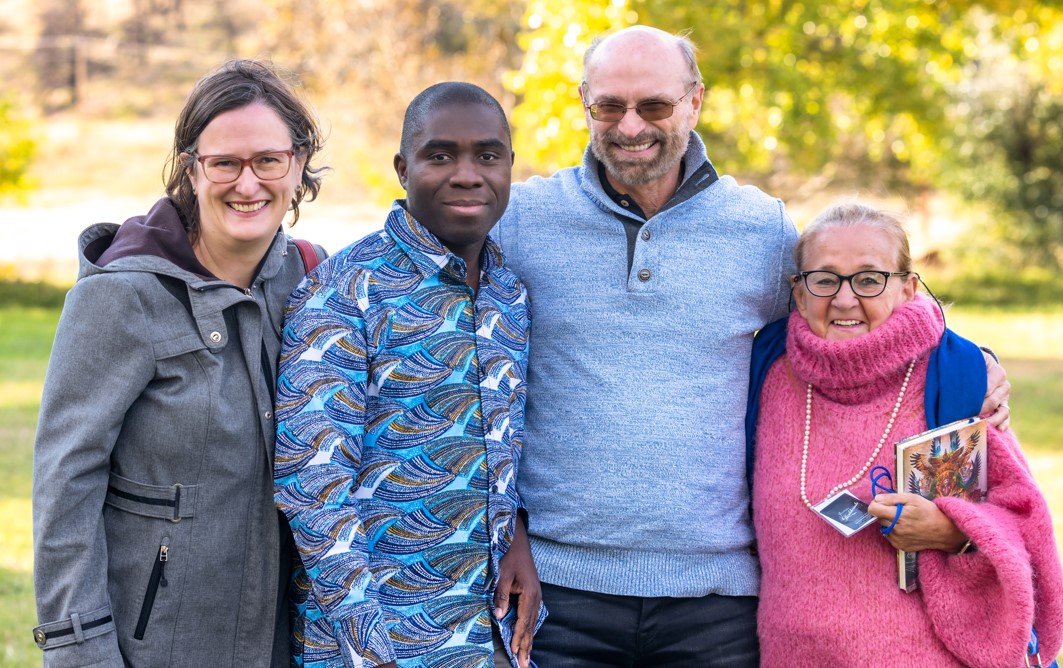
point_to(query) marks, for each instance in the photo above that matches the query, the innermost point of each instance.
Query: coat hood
(157, 243)
(161, 233)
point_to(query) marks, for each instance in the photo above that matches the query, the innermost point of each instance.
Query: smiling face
(246, 213)
(628, 68)
(456, 175)
(847, 250)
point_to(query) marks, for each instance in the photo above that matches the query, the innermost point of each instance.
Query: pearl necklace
(870, 460)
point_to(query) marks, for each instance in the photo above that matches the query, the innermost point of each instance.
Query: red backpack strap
(308, 253)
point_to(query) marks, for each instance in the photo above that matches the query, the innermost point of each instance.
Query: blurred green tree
(1006, 144)
(548, 123)
(17, 149)
(853, 94)
(845, 91)
(849, 88)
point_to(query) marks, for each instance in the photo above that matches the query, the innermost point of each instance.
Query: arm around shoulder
(787, 240)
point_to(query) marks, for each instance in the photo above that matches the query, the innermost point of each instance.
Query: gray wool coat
(156, 541)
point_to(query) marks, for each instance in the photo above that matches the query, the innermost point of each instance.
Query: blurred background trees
(17, 149)
(370, 57)
(952, 109)
(903, 99)
(900, 98)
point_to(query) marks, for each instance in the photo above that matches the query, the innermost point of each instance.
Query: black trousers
(591, 630)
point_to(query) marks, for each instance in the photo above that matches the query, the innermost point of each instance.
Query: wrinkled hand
(995, 406)
(518, 577)
(922, 525)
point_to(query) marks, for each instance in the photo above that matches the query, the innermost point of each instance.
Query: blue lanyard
(879, 473)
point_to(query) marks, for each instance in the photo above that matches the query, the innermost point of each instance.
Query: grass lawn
(1030, 345)
(25, 339)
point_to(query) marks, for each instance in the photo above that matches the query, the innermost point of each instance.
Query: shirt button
(645, 235)
(268, 415)
(644, 275)
(624, 203)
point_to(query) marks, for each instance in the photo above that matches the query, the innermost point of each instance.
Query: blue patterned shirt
(400, 418)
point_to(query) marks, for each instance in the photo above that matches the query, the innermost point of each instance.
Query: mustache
(613, 135)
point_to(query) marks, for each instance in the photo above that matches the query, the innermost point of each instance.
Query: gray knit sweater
(634, 460)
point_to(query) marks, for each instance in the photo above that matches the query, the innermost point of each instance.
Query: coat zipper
(157, 579)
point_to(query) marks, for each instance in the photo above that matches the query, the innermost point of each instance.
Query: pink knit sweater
(827, 600)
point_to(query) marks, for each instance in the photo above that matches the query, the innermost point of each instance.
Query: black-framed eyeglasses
(268, 166)
(823, 283)
(650, 110)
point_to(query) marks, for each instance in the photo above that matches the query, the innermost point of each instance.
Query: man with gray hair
(649, 274)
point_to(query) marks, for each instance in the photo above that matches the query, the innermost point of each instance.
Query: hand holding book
(947, 461)
(922, 526)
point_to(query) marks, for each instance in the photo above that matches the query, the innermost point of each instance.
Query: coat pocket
(173, 503)
(155, 580)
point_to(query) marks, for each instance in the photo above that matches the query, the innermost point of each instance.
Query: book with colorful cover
(947, 461)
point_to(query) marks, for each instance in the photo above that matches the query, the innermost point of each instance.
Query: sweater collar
(857, 370)
(697, 174)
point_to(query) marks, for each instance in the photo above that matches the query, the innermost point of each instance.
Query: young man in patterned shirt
(400, 417)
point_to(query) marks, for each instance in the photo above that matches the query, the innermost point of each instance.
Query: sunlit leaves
(549, 125)
(16, 149)
(897, 96)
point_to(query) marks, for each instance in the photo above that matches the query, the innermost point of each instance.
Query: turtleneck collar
(855, 370)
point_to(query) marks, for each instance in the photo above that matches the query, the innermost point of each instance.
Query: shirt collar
(692, 163)
(427, 252)
(623, 200)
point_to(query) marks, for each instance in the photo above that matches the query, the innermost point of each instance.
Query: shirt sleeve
(982, 605)
(321, 395)
(101, 361)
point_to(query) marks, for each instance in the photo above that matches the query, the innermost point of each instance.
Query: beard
(671, 146)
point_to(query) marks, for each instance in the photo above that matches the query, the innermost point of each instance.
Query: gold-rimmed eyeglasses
(649, 110)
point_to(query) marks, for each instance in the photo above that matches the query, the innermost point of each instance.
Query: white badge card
(844, 512)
